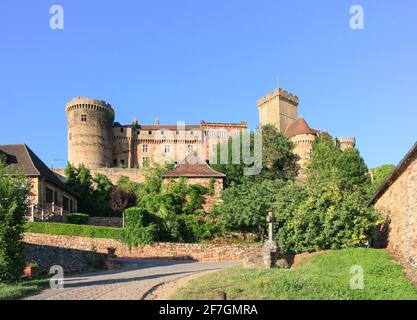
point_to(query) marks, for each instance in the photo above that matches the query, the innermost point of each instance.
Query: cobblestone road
(131, 282)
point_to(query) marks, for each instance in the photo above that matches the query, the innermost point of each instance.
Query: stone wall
(71, 259)
(114, 174)
(399, 204)
(178, 251)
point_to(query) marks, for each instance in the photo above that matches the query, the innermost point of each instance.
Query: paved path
(131, 282)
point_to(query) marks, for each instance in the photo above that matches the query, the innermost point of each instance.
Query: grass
(21, 289)
(323, 277)
(73, 230)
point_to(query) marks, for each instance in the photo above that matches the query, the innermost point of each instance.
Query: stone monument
(270, 247)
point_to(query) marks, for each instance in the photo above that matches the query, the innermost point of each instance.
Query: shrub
(194, 228)
(140, 227)
(246, 205)
(13, 205)
(77, 218)
(321, 218)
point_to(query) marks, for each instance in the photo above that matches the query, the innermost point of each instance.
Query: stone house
(197, 171)
(396, 199)
(48, 194)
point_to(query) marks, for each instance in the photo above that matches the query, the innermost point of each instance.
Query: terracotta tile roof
(299, 126)
(193, 167)
(20, 158)
(402, 166)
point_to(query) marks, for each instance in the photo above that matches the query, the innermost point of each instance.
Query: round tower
(90, 132)
(346, 143)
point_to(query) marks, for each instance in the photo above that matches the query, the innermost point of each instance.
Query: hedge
(74, 230)
(77, 218)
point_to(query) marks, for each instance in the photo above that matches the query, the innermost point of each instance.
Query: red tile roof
(193, 167)
(299, 126)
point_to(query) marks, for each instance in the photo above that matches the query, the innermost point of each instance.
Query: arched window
(84, 118)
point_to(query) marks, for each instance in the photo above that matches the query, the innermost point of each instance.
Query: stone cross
(270, 219)
(270, 247)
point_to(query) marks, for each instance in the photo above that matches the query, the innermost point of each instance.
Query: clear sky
(211, 60)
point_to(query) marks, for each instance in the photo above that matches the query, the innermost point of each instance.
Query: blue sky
(211, 60)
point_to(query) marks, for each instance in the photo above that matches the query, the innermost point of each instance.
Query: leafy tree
(121, 199)
(379, 175)
(322, 217)
(94, 193)
(278, 159)
(353, 170)
(14, 191)
(246, 205)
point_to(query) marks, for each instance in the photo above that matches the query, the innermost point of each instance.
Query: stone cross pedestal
(270, 247)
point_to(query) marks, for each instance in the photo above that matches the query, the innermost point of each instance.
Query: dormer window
(83, 118)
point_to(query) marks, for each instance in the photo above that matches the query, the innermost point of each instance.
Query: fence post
(53, 207)
(62, 212)
(123, 219)
(43, 213)
(33, 213)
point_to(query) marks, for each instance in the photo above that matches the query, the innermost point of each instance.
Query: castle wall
(90, 139)
(114, 174)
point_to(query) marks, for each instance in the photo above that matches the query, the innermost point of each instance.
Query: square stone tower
(278, 108)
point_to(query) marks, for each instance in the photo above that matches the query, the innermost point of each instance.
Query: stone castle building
(280, 108)
(97, 141)
(113, 149)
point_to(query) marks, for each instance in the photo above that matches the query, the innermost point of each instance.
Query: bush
(77, 218)
(195, 228)
(246, 205)
(321, 218)
(140, 227)
(74, 230)
(13, 205)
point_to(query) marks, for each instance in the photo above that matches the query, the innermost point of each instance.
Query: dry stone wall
(177, 251)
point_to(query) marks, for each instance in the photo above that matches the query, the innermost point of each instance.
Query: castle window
(145, 148)
(162, 131)
(150, 132)
(138, 132)
(167, 148)
(115, 162)
(121, 130)
(84, 118)
(222, 133)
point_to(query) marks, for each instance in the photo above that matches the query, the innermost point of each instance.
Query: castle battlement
(283, 94)
(87, 103)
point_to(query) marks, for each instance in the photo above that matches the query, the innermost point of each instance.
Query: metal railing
(39, 213)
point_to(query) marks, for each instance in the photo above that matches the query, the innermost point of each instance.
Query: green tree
(278, 159)
(246, 205)
(14, 191)
(352, 169)
(379, 175)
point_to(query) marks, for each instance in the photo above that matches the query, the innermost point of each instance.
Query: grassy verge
(324, 276)
(73, 230)
(21, 289)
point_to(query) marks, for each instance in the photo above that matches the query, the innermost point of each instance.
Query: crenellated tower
(278, 108)
(90, 132)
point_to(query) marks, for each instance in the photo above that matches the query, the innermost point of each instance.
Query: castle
(279, 108)
(97, 141)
